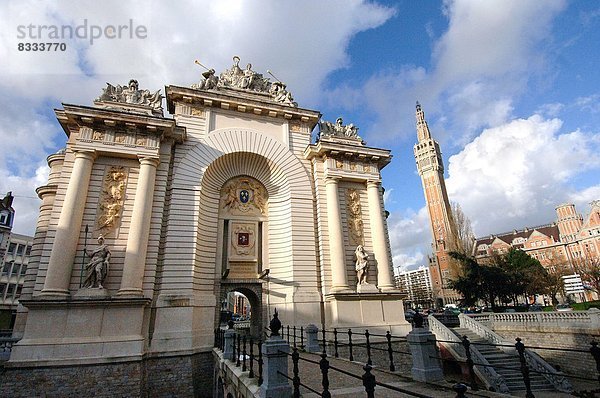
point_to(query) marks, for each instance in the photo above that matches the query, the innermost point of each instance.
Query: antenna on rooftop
(274, 77)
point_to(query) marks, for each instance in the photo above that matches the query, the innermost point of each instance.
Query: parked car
(536, 308)
(564, 308)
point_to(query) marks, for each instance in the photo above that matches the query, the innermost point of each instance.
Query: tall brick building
(443, 230)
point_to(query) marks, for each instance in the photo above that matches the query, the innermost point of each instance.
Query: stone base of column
(388, 288)
(376, 311)
(340, 289)
(54, 293)
(130, 292)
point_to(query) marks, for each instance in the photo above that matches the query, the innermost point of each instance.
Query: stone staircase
(506, 365)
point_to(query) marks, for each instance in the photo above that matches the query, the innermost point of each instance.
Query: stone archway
(253, 290)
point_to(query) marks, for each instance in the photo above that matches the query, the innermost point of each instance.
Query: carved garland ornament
(354, 212)
(111, 199)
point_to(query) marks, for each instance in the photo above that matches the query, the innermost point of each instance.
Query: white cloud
(410, 238)
(515, 174)
(484, 60)
(300, 44)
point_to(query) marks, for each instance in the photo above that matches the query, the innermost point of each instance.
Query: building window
(11, 248)
(20, 250)
(28, 250)
(4, 218)
(6, 268)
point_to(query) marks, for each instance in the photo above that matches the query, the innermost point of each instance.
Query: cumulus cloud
(514, 175)
(270, 34)
(410, 238)
(488, 54)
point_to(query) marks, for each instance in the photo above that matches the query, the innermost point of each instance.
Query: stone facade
(230, 194)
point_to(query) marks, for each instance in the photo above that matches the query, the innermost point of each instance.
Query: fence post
(467, 344)
(324, 365)
(302, 337)
(595, 351)
(239, 350)
(251, 373)
(229, 348)
(369, 381)
(312, 339)
(296, 379)
(388, 336)
(369, 362)
(335, 343)
(274, 351)
(426, 365)
(350, 357)
(524, 368)
(244, 354)
(460, 390)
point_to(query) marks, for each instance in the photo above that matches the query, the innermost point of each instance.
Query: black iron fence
(247, 353)
(361, 347)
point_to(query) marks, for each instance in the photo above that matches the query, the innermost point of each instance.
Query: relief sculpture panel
(111, 199)
(354, 217)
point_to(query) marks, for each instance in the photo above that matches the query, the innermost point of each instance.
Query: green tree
(479, 282)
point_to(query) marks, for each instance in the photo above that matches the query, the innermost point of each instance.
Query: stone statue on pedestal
(97, 267)
(362, 265)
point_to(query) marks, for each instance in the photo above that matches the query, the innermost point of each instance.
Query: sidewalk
(342, 386)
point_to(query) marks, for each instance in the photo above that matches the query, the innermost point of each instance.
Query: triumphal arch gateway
(148, 222)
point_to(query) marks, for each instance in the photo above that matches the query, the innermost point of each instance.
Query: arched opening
(242, 303)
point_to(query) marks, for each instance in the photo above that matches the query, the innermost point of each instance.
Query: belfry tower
(443, 231)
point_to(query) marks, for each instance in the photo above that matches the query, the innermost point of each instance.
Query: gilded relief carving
(111, 199)
(120, 138)
(339, 164)
(295, 127)
(140, 140)
(244, 195)
(352, 166)
(198, 112)
(354, 217)
(98, 136)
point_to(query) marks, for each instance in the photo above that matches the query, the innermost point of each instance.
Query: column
(339, 277)
(62, 257)
(380, 244)
(134, 263)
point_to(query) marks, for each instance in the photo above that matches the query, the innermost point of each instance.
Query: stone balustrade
(542, 320)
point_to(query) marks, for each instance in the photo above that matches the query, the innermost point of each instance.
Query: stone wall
(572, 363)
(182, 376)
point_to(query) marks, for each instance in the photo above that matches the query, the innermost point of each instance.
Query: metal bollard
(335, 343)
(351, 357)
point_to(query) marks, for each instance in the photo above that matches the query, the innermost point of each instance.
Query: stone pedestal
(426, 365)
(378, 312)
(274, 352)
(228, 347)
(312, 339)
(86, 330)
(366, 288)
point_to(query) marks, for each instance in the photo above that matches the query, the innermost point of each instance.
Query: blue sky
(510, 90)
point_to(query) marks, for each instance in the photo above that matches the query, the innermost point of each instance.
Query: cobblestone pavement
(342, 385)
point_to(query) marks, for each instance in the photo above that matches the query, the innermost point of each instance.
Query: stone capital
(85, 154)
(149, 160)
(373, 183)
(332, 180)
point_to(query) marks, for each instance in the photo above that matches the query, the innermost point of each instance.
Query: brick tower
(443, 230)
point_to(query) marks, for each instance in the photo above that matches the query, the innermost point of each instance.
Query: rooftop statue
(338, 129)
(131, 94)
(247, 80)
